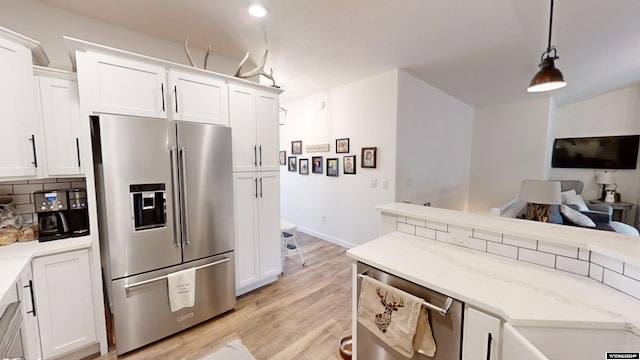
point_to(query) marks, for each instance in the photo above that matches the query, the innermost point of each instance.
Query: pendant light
(548, 78)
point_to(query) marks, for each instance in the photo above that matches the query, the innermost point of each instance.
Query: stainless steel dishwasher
(445, 318)
(10, 333)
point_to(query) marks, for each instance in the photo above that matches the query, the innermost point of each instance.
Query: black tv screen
(606, 152)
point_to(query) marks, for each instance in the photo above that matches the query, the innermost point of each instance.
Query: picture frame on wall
(342, 146)
(304, 167)
(332, 167)
(349, 165)
(296, 147)
(292, 164)
(316, 165)
(369, 155)
(283, 157)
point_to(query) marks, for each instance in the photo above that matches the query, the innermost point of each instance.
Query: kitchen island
(510, 269)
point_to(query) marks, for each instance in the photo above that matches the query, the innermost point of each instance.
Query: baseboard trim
(328, 238)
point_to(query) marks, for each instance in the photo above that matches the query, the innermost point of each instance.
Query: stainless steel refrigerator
(165, 203)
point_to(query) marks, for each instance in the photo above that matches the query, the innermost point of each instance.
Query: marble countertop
(618, 246)
(15, 257)
(521, 293)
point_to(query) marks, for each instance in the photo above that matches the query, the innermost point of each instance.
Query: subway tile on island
(607, 262)
(502, 250)
(568, 251)
(487, 235)
(596, 272)
(625, 284)
(572, 265)
(426, 233)
(519, 242)
(537, 257)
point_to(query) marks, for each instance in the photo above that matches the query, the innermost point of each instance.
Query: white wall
(47, 25)
(365, 112)
(509, 144)
(614, 113)
(434, 145)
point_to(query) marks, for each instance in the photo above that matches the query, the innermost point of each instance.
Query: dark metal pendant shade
(548, 77)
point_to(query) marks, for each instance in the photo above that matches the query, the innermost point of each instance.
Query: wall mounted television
(604, 152)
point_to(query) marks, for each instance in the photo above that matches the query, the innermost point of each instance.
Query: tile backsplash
(22, 192)
(615, 273)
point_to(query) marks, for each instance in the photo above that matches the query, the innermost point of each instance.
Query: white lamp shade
(540, 192)
(604, 178)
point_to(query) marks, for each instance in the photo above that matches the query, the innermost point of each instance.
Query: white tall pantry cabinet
(253, 115)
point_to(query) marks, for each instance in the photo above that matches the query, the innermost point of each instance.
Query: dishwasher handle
(441, 310)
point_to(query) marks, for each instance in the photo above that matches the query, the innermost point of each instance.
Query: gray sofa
(599, 213)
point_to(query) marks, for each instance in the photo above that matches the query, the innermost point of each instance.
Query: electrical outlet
(324, 218)
(373, 183)
(385, 184)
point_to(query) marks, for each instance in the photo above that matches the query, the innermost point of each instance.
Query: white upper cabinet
(60, 113)
(127, 87)
(268, 131)
(254, 123)
(20, 135)
(198, 98)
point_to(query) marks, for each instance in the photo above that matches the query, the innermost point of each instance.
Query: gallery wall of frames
(305, 163)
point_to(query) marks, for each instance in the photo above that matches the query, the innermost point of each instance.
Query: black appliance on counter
(78, 212)
(51, 207)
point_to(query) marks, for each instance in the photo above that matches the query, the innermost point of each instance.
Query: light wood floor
(301, 316)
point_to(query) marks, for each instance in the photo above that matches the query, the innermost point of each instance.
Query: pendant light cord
(550, 23)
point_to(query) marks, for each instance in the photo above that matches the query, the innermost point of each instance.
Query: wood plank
(301, 316)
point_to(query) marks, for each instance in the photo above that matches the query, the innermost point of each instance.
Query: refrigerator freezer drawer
(141, 303)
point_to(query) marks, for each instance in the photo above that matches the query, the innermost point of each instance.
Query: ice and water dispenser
(148, 205)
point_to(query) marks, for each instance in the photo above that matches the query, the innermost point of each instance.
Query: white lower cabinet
(257, 233)
(30, 331)
(516, 346)
(481, 337)
(64, 303)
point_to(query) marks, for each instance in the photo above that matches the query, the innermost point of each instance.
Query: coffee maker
(51, 207)
(78, 212)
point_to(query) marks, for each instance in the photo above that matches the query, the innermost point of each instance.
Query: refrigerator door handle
(260, 187)
(176, 190)
(185, 205)
(260, 147)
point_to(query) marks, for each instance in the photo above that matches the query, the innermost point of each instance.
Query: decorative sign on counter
(318, 148)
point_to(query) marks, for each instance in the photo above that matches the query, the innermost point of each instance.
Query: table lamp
(540, 195)
(604, 178)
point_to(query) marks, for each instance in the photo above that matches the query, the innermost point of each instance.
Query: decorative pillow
(554, 214)
(576, 217)
(565, 193)
(576, 200)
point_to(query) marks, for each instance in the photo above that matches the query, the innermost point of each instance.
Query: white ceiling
(482, 52)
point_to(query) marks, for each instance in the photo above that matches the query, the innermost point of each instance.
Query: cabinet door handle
(33, 146)
(33, 302)
(175, 95)
(260, 187)
(78, 152)
(162, 90)
(489, 346)
(256, 181)
(255, 155)
(260, 147)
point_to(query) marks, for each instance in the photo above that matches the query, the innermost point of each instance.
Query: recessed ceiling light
(257, 10)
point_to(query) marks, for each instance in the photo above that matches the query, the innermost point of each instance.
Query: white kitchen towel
(390, 314)
(424, 343)
(182, 289)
